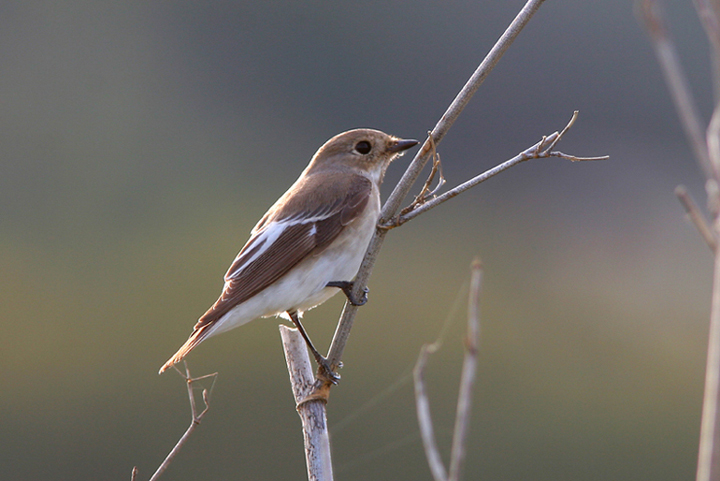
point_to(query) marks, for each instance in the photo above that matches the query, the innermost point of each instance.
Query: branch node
(390, 224)
(195, 416)
(320, 392)
(426, 193)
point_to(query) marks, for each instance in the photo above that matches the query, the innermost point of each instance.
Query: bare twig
(708, 455)
(392, 206)
(196, 417)
(706, 147)
(422, 403)
(709, 449)
(709, 446)
(713, 149)
(310, 406)
(467, 382)
(710, 17)
(425, 193)
(540, 150)
(696, 217)
(652, 16)
(467, 377)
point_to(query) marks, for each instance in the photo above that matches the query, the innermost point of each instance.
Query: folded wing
(280, 242)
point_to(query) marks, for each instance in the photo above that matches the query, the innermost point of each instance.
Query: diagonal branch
(541, 150)
(426, 193)
(196, 417)
(709, 14)
(696, 217)
(653, 18)
(392, 206)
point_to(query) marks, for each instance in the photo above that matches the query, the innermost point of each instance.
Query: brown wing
(288, 234)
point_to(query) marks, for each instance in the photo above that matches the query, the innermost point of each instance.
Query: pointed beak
(402, 145)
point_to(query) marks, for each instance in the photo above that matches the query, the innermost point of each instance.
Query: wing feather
(286, 235)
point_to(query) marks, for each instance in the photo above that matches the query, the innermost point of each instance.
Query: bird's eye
(363, 147)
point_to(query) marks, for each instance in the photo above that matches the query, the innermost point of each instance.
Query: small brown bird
(310, 244)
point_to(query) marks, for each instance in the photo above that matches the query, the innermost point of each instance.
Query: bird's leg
(325, 367)
(347, 288)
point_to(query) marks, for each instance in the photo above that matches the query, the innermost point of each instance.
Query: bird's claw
(347, 288)
(325, 372)
(363, 298)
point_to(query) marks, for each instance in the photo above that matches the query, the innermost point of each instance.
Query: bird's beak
(402, 145)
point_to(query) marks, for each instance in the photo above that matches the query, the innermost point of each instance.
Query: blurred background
(141, 141)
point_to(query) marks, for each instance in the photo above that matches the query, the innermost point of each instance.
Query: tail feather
(195, 338)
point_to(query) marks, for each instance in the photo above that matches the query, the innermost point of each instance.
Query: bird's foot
(347, 288)
(325, 372)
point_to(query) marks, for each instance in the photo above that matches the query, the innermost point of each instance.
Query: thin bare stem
(196, 416)
(708, 453)
(392, 206)
(706, 147)
(696, 217)
(426, 193)
(437, 468)
(709, 448)
(709, 16)
(540, 150)
(653, 18)
(467, 382)
(467, 377)
(310, 404)
(713, 149)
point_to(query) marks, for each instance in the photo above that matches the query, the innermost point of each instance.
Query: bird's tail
(195, 338)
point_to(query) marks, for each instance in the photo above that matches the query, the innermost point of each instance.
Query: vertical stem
(467, 377)
(422, 405)
(311, 411)
(709, 452)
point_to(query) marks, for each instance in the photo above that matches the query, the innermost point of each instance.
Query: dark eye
(363, 147)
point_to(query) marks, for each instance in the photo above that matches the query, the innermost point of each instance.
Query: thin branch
(310, 404)
(392, 206)
(709, 18)
(709, 446)
(457, 106)
(696, 217)
(708, 455)
(467, 382)
(706, 146)
(196, 417)
(467, 377)
(540, 150)
(426, 193)
(713, 149)
(653, 17)
(437, 468)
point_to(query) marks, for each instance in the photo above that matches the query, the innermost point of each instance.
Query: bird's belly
(340, 262)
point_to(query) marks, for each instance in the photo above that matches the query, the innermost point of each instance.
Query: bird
(309, 245)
